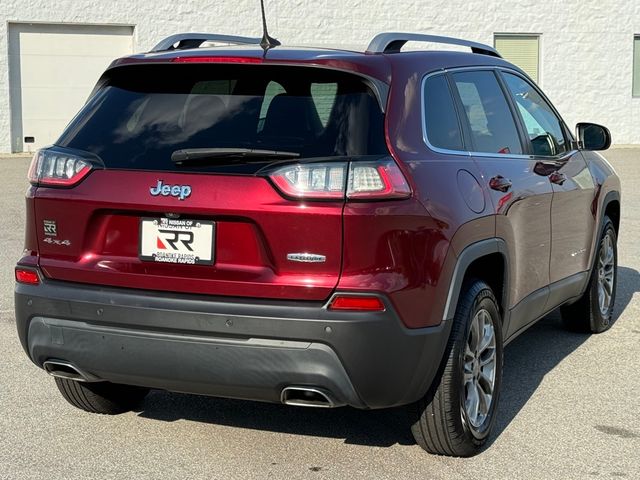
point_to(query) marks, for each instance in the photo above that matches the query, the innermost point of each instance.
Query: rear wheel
(104, 397)
(594, 310)
(456, 415)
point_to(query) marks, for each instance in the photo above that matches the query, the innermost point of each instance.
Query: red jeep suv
(314, 227)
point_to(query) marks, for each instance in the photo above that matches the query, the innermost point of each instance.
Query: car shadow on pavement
(535, 352)
(628, 284)
(380, 428)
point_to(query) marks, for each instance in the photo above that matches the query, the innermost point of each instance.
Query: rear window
(142, 114)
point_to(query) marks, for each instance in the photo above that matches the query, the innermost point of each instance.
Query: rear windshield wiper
(199, 154)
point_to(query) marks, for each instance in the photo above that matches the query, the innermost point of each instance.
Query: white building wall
(586, 46)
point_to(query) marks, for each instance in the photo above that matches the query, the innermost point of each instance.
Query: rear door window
(491, 123)
(143, 113)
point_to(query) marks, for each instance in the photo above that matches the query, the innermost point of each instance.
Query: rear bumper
(229, 347)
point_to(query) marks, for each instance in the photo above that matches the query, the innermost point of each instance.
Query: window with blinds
(521, 50)
(636, 66)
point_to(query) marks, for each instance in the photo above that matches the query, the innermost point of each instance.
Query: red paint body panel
(30, 253)
(397, 249)
(255, 229)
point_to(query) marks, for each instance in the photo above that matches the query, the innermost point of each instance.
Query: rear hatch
(177, 177)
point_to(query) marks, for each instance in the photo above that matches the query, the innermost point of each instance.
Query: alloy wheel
(479, 369)
(606, 274)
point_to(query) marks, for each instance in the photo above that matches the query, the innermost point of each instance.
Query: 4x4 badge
(55, 241)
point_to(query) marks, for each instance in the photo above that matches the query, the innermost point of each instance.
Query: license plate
(167, 240)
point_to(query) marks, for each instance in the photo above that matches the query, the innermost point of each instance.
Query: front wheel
(456, 416)
(593, 312)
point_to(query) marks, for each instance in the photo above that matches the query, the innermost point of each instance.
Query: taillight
(373, 180)
(366, 303)
(57, 168)
(358, 180)
(24, 275)
(312, 180)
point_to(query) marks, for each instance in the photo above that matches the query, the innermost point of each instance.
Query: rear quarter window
(440, 118)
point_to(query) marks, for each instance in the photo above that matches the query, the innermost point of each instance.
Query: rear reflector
(27, 276)
(356, 302)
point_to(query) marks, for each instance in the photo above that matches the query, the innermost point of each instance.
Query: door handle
(557, 178)
(500, 183)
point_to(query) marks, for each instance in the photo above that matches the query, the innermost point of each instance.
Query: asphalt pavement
(570, 405)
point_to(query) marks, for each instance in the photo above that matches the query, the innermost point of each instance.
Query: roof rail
(181, 41)
(392, 42)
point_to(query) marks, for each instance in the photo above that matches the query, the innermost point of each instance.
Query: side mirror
(593, 137)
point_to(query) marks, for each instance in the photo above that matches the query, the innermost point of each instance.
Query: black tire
(440, 422)
(585, 315)
(106, 398)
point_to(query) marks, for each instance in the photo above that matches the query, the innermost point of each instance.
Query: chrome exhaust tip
(307, 397)
(64, 369)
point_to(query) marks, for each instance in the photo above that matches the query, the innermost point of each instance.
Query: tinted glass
(493, 129)
(144, 113)
(324, 97)
(543, 126)
(273, 89)
(441, 120)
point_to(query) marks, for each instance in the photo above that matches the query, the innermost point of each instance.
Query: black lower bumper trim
(228, 347)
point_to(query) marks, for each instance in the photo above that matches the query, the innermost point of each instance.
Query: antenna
(267, 42)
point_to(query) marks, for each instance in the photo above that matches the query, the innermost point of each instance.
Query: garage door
(52, 69)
